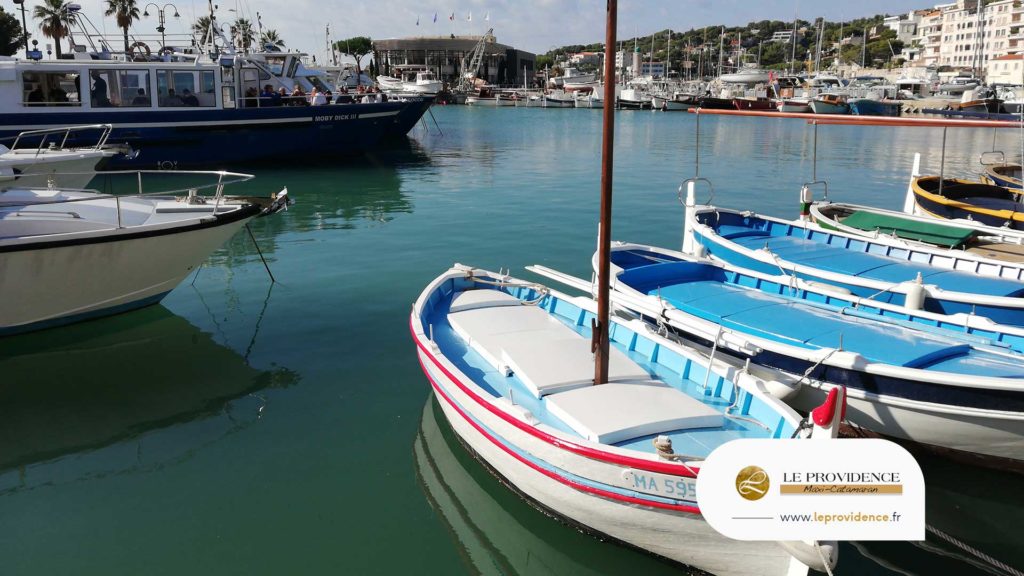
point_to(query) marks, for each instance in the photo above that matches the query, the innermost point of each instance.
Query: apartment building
(963, 34)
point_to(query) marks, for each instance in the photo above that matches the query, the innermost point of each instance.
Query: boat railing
(50, 135)
(223, 178)
(805, 190)
(997, 153)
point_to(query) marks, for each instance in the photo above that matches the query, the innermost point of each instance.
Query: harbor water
(245, 427)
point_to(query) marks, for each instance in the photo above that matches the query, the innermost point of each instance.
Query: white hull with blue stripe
(511, 365)
(932, 386)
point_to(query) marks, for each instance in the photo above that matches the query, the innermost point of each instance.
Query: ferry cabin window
(50, 89)
(184, 89)
(119, 89)
(276, 64)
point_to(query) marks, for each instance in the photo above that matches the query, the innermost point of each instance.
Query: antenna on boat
(600, 328)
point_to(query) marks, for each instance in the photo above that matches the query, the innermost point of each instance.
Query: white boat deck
(555, 363)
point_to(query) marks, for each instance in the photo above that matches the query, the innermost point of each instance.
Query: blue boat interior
(711, 293)
(851, 256)
(746, 416)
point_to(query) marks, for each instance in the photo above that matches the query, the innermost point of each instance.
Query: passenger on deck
(298, 96)
(35, 97)
(268, 97)
(99, 91)
(171, 99)
(188, 98)
(316, 98)
(141, 99)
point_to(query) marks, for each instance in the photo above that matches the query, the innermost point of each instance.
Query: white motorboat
(70, 255)
(829, 104)
(51, 161)
(555, 99)
(411, 79)
(572, 79)
(747, 73)
(591, 100)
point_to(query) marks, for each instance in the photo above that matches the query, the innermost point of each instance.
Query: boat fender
(137, 49)
(812, 554)
(915, 294)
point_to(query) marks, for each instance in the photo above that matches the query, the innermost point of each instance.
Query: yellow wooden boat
(952, 198)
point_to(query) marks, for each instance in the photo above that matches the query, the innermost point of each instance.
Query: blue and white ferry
(183, 110)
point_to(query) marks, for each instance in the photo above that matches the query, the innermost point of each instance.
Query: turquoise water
(240, 428)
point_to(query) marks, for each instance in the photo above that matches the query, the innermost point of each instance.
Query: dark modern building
(444, 55)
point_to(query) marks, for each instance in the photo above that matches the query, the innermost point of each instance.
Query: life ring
(138, 48)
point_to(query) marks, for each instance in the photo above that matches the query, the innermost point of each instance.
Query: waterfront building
(652, 69)
(586, 58)
(444, 55)
(962, 34)
(1004, 69)
(784, 36)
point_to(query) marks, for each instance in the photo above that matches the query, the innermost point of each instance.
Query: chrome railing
(220, 179)
(46, 134)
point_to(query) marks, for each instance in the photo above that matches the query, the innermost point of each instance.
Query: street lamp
(24, 25)
(160, 15)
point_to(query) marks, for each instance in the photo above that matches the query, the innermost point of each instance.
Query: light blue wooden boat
(935, 280)
(905, 380)
(512, 367)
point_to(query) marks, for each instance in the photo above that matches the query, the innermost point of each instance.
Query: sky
(533, 25)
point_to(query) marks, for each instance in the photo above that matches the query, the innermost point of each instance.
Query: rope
(540, 288)
(828, 569)
(973, 551)
(808, 372)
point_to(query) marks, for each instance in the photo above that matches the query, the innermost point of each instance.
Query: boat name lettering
(333, 117)
(167, 165)
(663, 485)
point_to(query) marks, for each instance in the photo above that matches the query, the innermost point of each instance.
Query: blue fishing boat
(934, 280)
(1005, 175)
(194, 110)
(511, 365)
(952, 198)
(875, 107)
(956, 391)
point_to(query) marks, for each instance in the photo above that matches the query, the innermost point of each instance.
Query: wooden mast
(600, 328)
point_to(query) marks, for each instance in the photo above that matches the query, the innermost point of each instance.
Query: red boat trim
(571, 483)
(650, 466)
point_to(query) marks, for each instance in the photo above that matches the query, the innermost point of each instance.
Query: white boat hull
(679, 536)
(477, 101)
(819, 107)
(61, 284)
(988, 433)
(590, 103)
(795, 106)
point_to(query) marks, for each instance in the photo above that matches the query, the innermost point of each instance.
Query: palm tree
(126, 12)
(203, 28)
(56, 20)
(242, 34)
(271, 37)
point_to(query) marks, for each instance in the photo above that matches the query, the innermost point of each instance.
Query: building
(501, 64)
(1005, 69)
(586, 58)
(785, 36)
(653, 69)
(963, 34)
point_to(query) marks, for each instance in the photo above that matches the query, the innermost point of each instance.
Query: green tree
(55, 20)
(202, 29)
(12, 37)
(356, 47)
(242, 34)
(126, 12)
(271, 37)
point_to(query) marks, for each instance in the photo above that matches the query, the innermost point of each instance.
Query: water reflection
(96, 384)
(495, 531)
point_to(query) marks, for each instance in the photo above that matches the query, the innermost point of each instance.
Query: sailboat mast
(604, 244)
(721, 43)
(668, 53)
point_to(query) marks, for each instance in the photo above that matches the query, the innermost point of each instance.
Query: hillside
(701, 45)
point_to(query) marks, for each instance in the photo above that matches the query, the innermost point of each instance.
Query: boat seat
(621, 411)
(546, 355)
